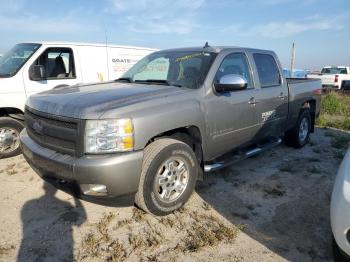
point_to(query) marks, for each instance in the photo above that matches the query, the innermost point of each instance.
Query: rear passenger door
(272, 97)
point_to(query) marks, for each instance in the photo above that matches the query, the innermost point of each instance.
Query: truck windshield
(177, 68)
(12, 61)
(334, 70)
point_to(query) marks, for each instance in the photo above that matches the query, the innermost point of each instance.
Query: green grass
(335, 111)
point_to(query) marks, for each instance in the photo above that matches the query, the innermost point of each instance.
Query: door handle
(252, 101)
(281, 96)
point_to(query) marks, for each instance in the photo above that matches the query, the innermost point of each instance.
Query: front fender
(166, 117)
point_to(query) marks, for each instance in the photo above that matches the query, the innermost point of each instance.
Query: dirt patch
(272, 207)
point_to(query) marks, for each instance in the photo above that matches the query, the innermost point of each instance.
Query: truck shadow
(47, 224)
(282, 196)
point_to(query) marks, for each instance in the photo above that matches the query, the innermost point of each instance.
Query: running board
(236, 158)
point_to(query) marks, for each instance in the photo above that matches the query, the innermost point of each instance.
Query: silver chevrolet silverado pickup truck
(177, 113)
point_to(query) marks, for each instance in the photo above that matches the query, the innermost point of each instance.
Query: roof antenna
(206, 45)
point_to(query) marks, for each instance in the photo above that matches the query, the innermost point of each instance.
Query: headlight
(110, 135)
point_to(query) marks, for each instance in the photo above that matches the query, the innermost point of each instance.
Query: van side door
(272, 97)
(231, 117)
(59, 69)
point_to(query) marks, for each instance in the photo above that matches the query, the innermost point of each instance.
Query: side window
(58, 63)
(237, 64)
(268, 72)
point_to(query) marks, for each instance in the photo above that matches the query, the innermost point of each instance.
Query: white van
(29, 68)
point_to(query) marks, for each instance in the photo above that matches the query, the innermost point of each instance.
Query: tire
(338, 254)
(152, 194)
(293, 137)
(9, 130)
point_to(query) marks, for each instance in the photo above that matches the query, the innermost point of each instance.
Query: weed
(314, 170)
(340, 142)
(5, 250)
(338, 154)
(314, 159)
(316, 150)
(137, 214)
(206, 206)
(91, 246)
(102, 225)
(329, 134)
(250, 207)
(150, 238)
(11, 172)
(122, 223)
(286, 167)
(208, 232)
(273, 191)
(335, 111)
(117, 252)
(312, 142)
(167, 221)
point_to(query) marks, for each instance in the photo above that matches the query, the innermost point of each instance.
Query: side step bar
(236, 158)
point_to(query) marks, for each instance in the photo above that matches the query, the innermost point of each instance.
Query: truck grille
(57, 133)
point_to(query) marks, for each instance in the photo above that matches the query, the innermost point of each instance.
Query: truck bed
(301, 89)
(292, 81)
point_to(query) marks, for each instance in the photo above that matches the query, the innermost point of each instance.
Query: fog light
(93, 189)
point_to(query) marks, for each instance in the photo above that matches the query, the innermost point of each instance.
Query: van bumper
(119, 173)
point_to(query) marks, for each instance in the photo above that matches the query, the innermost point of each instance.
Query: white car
(30, 68)
(332, 76)
(340, 211)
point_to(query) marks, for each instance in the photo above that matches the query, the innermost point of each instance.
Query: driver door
(231, 116)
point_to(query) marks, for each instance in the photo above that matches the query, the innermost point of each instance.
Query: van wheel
(168, 177)
(299, 135)
(9, 137)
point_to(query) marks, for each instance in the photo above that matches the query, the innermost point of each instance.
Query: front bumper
(120, 173)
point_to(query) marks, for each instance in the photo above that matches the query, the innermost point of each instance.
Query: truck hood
(91, 101)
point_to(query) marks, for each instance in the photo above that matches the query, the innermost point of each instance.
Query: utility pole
(292, 61)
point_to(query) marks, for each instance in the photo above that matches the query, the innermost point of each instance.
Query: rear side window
(268, 72)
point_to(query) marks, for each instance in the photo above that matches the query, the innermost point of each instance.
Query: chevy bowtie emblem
(38, 127)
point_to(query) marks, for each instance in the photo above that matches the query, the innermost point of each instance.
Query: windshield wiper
(127, 79)
(157, 81)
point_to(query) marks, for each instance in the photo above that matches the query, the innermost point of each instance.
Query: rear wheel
(299, 135)
(169, 174)
(9, 137)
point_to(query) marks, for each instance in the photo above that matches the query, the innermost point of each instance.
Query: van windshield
(12, 61)
(334, 70)
(177, 68)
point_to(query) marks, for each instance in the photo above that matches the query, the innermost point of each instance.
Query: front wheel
(9, 137)
(168, 177)
(299, 135)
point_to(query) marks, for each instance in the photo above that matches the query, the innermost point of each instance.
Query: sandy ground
(273, 207)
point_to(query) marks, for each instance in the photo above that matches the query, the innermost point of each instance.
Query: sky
(319, 28)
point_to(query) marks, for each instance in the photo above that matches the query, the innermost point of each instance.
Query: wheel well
(311, 105)
(12, 112)
(190, 135)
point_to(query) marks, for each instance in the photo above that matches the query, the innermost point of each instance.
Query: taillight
(318, 91)
(336, 79)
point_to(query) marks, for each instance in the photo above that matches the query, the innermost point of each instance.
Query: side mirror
(37, 73)
(229, 83)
